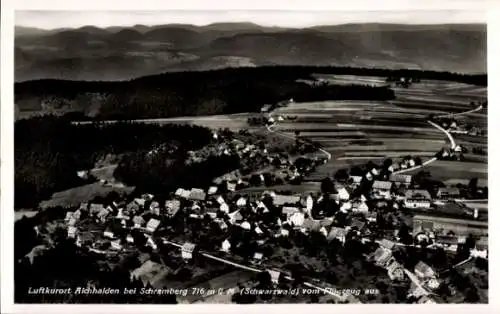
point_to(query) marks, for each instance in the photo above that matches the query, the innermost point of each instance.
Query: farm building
(446, 225)
(417, 199)
(401, 179)
(446, 193)
(382, 188)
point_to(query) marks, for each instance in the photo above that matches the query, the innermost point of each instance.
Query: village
(229, 222)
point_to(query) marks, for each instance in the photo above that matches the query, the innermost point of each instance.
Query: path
(450, 137)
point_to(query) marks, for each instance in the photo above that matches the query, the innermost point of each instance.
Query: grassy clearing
(445, 170)
(85, 193)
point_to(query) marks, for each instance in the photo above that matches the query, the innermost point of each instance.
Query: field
(233, 122)
(355, 132)
(78, 195)
(445, 170)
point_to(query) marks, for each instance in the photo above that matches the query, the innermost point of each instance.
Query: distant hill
(85, 52)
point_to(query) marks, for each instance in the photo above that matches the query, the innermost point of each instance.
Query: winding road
(448, 134)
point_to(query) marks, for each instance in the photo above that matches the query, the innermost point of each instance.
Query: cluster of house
(424, 278)
(456, 127)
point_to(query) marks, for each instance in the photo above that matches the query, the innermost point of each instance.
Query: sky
(293, 19)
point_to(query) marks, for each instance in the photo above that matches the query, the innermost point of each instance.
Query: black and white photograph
(250, 157)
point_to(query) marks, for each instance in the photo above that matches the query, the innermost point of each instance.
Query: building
(152, 225)
(172, 207)
(182, 193)
(395, 271)
(212, 190)
(356, 180)
(447, 225)
(417, 199)
(280, 200)
(401, 179)
(381, 256)
(424, 271)
(187, 250)
(382, 189)
(197, 195)
(447, 193)
(337, 233)
(343, 194)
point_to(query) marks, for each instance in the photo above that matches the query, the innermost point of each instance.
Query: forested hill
(224, 91)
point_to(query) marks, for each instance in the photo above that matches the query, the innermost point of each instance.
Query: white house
(417, 199)
(246, 225)
(130, 238)
(382, 188)
(241, 202)
(226, 246)
(116, 245)
(109, 234)
(212, 190)
(187, 250)
(343, 194)
(224, 208)
(152, 225)
(72, 232)
(297, 219)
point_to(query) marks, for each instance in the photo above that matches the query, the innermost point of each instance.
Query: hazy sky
(58, 19)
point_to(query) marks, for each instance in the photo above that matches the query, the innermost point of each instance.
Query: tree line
(212, 92)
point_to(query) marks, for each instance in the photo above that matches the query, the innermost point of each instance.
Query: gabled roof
(153, 224)
(417, 194)
(382, 185)
(212, 190)
(401, 178)
(424, 268)
(182, 193)
(387, 244)
(357, 224)
(197, 194)
(449, 191)
(188, 247)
